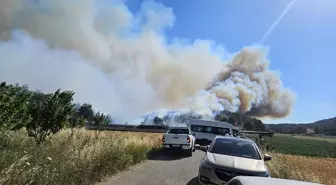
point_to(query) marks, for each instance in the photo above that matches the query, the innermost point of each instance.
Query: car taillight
(188, 139)
(163, 139)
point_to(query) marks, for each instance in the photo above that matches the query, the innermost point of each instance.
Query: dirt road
(162, 170)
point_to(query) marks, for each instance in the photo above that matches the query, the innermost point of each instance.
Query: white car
(245, 180)
(179, 138)
(228, 157)
(206, 130)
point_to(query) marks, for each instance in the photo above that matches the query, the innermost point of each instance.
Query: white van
(205, 131)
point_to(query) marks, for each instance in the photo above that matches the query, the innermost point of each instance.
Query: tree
(300, 130)
(75, 121)
(14, 106)
(247, 126)
(101, 120)
(258, 125)
(79, 116)
(86, 111)
(49, 114)
(232, 120)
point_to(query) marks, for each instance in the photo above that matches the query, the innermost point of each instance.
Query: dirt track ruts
(174, 169)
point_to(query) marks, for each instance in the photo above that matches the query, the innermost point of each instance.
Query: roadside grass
(64, 159)
(85, 158)
(311, 169)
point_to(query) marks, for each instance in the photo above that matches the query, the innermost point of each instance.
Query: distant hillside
(326, 126)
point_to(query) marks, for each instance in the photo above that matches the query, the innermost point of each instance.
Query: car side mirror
(193, 134)
(204, 148)
(267, 157)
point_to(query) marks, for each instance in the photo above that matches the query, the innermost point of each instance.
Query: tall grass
(81, 158)
(311, 169)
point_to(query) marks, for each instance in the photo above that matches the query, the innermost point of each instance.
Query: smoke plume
(124, 65)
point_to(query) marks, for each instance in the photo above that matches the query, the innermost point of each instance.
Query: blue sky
(301, 46)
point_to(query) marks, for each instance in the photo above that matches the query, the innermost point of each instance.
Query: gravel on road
(173, 169)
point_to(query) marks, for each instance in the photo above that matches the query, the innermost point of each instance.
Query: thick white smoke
(123, 64)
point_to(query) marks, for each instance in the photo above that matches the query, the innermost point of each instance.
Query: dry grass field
(86, 157)
(82, 158)
(312, 169)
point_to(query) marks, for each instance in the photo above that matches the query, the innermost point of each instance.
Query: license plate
(176, 145)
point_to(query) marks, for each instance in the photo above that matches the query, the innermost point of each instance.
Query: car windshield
(179, 131)
(210, 129)
(236, 148)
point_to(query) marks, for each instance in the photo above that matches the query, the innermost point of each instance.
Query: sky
(126, 49)
(301, 45)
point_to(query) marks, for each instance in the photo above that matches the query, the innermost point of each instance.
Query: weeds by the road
(311, 169)
(84, 158)
(64, 159)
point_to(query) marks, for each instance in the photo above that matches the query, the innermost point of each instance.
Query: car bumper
(215, 176)
(180, 147)
(209, 177)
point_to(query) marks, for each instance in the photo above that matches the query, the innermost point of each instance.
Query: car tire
(198, 182)
(190, 152)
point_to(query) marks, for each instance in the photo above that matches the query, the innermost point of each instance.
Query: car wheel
(198, 182)
(190, 152)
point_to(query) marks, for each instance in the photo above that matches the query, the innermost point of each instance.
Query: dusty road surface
(162, 170)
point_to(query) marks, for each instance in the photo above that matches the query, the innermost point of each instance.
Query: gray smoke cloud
(123, 64)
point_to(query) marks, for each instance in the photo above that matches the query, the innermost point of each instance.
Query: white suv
(228, 157)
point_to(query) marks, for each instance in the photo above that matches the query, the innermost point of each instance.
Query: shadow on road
(193, 181)
(197, 147)
(169, 156)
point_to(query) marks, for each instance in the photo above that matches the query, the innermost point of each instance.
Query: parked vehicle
(179, 138)
(228, 157)
(245, 180)
(206, 130)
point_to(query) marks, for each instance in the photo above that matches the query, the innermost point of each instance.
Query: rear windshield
(235, 148)
(179, 131)
(210, 130)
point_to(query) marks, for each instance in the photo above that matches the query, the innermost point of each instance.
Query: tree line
(325, 127)
(236, 119)
(43, 114)
(241, 120)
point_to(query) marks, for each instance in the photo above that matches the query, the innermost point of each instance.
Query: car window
(236, 148)
(179, 131)
(236, 133)
(210, 130)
